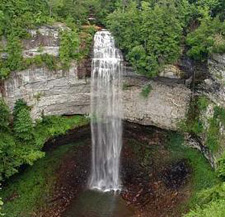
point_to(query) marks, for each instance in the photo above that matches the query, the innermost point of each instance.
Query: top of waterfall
(104, 39)
(104, 47)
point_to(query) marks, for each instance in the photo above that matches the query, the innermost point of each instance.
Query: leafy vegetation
(154, 33)
(17, 17)
(211, 201)
(51, 126)
(199, 165)
(151, 34)
(193, 123)
(146, 90)
(210, 34)
(149, 37)
(22, 142)
(40, 178)
(215, 123)
(4, 118)
(215, 208)
(69, 45)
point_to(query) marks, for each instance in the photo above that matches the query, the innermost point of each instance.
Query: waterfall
(106, 113)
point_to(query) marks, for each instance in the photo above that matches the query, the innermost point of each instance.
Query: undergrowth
(25, 193)
(146, 90)
(203, 176)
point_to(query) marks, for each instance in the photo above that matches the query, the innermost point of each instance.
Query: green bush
(203, 103)
(221, 168)
(193, 124)
(215, 209)
(14, 50)
(51, 126)
(69, 47)
(22, 144)
(146, 90)
(4, 117)
(1, 204)
(19, 105)
(208, 38)
(149, 37)
(9, 160)
(23, 126)
(213, 139)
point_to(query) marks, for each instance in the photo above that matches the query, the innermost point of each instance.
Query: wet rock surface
(176, 175)
(152, 185)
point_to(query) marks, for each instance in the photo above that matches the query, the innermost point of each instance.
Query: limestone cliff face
(165, 107)
(214, 89)
(215, 85)
(68, 92)
(47, 92)
(63, 93)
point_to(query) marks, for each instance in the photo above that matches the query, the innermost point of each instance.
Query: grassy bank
(31, 190)
(203, 176)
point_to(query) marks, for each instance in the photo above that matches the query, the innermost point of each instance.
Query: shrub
(4, 117)
(146, 90)
(19, 105)
(209, 37)
(149, 37)
(193, 124)
(221, 168)
(14, 50)
(69, 47)
(215, 209)
(23, 126)
(1, 203)
(9, 159)
(213, 139)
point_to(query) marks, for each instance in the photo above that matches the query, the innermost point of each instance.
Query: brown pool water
(98, 204)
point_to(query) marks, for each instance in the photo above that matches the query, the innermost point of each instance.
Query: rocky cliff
(68, 92)
(211, 140)
(63, 93)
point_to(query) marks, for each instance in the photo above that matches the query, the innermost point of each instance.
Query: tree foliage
(69, 47)
(22, 141)
(147, 35)
(4, 117)
(208, 38)
(23, 126)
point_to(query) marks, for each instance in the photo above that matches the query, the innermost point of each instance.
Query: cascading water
(106, 113)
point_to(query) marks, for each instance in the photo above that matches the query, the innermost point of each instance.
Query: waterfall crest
(106, 113)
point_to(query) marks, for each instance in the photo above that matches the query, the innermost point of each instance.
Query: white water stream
(106, 113)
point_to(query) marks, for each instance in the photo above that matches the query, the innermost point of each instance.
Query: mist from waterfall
(106, 113)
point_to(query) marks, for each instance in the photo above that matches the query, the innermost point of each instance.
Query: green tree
(14, 50)
(4, 117)
(148, 36)
(54, 6)
(23, 127)
(69, 47)
(209, 37)
(2, 20)
(19, 105)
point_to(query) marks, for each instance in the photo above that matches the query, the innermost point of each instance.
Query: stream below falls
(98, 204)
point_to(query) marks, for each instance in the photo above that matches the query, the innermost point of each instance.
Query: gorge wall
(67, 92)
(63, 93)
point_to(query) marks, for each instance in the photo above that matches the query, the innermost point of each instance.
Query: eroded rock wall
(211, 141)
(63, 93)
(48, 92)
(165, 107)
(68, 92)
